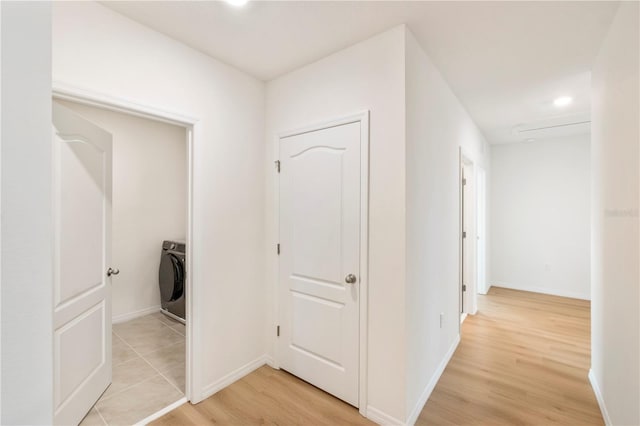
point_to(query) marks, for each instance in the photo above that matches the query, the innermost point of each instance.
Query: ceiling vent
(577, 124)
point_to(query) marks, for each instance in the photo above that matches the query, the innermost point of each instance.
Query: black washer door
(171, 277)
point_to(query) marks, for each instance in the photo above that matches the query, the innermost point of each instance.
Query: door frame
(193, 359)
(470, 203)
(361, 117)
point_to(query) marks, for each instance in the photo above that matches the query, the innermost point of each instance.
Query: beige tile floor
(148, 371)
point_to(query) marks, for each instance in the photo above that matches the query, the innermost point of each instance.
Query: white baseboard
(544, 290)
(382, 418)
(135, 314)
(432, 383)
(599, 398)
(268, 359)
(162, 412)
(488, 288)
(235, 375)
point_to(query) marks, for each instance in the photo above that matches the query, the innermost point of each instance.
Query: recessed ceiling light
(237, 3)
(531, 140)
(562, 101)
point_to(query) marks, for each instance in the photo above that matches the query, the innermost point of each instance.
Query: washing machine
(172, 280)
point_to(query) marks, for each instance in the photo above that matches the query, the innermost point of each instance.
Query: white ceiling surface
(506, 61)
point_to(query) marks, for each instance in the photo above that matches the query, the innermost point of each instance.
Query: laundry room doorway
(148, 275)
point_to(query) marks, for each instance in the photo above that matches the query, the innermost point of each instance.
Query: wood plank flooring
(266, 397)
(523, 360)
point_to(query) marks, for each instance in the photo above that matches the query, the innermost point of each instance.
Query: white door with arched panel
(320, 265)
(82, 156)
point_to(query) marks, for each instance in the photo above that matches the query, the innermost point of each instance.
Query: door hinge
(278, 248)
(277, 166)
(464, 287)
(464, 234)
(464, 181)
(278, 331)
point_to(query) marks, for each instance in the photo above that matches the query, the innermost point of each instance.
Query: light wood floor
(266, 397)
(523, 359)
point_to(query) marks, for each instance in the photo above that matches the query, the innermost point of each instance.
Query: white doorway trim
(469, 297)
(63, 91)
(363, 118)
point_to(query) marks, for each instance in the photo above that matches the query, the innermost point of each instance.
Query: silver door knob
(350, 279)
(112, 271)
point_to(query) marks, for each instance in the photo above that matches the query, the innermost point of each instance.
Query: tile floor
(148, 371)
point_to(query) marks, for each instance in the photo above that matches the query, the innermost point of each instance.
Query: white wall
(437, 126)
(368, 75)
(413, 212)
(27, 226)
(615, 275)
(1, 102)
(149, 202)
(97, 49)
(540, 216)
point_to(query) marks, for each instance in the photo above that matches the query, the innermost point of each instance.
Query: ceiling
(506, 61)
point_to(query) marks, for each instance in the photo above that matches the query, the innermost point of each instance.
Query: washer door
(171, 277)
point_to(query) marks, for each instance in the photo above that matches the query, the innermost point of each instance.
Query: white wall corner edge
(135, 314)
(433, 382)
(599, 398)
(235, 375)
(382, 418)
(543, 290)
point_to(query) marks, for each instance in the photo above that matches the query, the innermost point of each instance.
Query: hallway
(522, 359)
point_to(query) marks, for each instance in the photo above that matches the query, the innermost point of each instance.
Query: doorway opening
(150, 268)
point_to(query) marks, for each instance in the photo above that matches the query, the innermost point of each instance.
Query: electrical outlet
(441, 319)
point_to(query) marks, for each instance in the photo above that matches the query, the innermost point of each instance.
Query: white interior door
(464, 259)
(82, 291)
(469, 241)
(319, 284)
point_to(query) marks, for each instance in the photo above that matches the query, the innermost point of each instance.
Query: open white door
(82, 290)
(319, 286)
